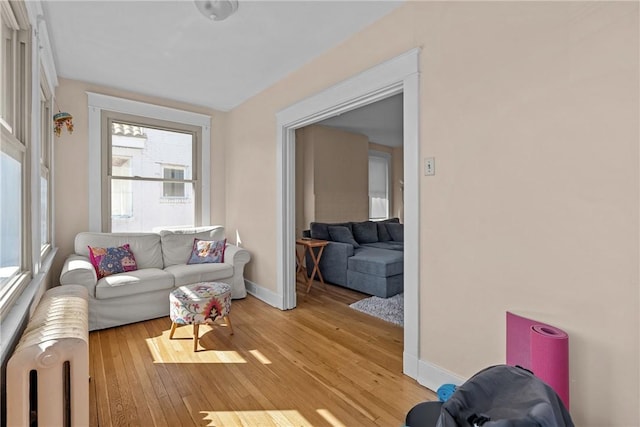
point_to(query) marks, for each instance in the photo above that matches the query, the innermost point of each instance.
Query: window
(379, 173)
(151, 174)
(11, 215)
(153, 137)
(14, 165)
(46, 125)
(173, 189)
(7, 70)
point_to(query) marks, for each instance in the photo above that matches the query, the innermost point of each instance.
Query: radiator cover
(54, 345)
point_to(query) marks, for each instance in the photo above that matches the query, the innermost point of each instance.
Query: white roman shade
(378, 187)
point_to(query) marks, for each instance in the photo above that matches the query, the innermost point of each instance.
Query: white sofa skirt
(107, 313)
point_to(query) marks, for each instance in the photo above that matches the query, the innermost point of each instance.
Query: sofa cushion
(383, 234)
(340, 233)
(178, 243)
(186, 274)
(133, 282)
(390, 245)
(319, 230)
(365, 232)
(396, 231)
(144, 246)
(377, 262)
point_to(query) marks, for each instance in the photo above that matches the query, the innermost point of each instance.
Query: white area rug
(389, 309)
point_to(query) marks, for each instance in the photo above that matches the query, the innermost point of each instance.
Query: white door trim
(400, 74)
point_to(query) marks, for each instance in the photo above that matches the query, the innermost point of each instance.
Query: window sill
(176, 200)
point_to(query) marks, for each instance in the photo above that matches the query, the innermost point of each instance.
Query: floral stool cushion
(199, 303)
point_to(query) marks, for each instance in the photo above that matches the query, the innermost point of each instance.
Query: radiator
(48, 373)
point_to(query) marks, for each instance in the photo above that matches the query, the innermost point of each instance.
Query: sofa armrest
(238, 257)
(333, 264)
(336, 252)
(78, 270)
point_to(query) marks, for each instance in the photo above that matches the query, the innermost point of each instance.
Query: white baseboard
(433, 376)
(263, 294)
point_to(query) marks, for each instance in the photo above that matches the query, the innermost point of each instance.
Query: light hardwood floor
(321, 364)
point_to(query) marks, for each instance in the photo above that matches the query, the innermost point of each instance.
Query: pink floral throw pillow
(108, 261)
(207, 251)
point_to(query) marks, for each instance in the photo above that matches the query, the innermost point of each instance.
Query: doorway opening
(398, 75)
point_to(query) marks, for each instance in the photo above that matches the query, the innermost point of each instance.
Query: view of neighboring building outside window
(10, 216)
(152, 178)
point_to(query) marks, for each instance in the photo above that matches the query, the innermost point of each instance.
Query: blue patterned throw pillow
(108, 261)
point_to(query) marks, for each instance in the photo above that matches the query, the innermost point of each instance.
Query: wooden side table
(308, 245)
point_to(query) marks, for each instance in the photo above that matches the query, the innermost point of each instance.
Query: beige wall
(71, 163)
(332, 176)
(332, 166)
(531, 111)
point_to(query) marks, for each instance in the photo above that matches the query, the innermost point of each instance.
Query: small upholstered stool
(199, 303)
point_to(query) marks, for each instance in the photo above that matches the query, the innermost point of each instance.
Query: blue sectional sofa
(365, 256)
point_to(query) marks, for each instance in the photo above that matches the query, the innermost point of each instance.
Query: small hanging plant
(62, 119)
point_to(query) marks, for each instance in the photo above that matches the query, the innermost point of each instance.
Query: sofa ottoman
(376, 271)
(366, 256)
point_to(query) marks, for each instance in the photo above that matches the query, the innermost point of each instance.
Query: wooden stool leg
(228, 320)
(196, 328)
(174, 325)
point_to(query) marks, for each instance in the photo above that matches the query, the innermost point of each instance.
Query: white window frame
(387, 158)
(98, 103)
(16, 303)
(46, 140)
(15, 141)
(109, 119)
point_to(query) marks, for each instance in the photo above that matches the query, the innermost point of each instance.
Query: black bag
(504, 396)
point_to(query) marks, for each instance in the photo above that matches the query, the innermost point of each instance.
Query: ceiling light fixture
(217, 10)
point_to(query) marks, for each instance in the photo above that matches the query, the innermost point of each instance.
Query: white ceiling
(169, 50)
(380, 121)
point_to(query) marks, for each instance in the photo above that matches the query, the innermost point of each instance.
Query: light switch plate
(430, 166)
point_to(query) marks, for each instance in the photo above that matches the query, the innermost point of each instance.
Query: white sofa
(161, 259)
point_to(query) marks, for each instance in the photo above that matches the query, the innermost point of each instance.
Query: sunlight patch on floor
(255, 418)
(180, 350)
(261, 357)
(331, 419)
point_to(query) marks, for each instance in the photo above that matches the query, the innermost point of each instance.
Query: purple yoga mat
(541, 348)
